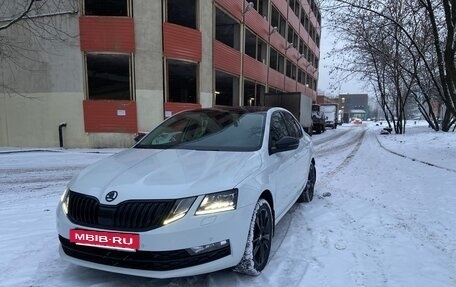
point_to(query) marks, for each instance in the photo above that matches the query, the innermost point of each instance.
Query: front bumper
(142, 260)
(163, 251)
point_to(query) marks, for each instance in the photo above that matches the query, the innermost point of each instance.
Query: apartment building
(134, 63)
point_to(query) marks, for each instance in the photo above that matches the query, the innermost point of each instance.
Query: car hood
(164, 174)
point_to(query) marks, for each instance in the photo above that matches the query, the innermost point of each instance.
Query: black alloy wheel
(262, 236)
(308, 192)
(259, 241)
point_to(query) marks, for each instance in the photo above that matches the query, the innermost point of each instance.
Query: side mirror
(285, 144)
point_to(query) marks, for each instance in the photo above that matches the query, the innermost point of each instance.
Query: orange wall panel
(257, 23)
(174, 108)
(278, 42)
(226, 58)
(255, 70)
(276, 79)
(105, 116)
(294, 20)
(107, 34)
(182, 42)
(234, 7)
(282, 6)
(290, 85)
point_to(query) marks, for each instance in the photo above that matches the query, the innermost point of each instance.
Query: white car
(201, 192)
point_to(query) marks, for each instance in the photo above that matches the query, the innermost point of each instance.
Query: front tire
(258, 247)
(308, 192)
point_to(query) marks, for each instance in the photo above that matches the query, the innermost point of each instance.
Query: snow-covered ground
(390, 219)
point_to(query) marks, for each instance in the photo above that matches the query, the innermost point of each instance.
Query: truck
(331, 113)
(318, 119)
(299, 104)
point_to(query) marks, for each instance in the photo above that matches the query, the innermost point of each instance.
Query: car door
(302, 153)
(281, 165)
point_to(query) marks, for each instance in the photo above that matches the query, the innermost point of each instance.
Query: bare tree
(423, 49)
(27, 29)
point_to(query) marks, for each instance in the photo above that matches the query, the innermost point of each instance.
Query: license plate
(113, 240)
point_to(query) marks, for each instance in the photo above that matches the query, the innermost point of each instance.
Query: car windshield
(214, 130)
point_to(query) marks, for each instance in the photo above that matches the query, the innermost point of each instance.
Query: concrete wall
(149, 63)
(50, 89)
(206, 79)
(32, 120)
(42, 87)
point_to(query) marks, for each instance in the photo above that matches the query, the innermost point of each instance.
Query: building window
(249, 93)
(182, 12)
(301, 46)
(250, 44)
(253, 94)
(307, 52)
(294, 5)
(276, 61)
(305, 20)
(295, 39)
(227, 30)
(226, 89)
(261, 6)
(107, 7)
(277, 20)
(304, 78)
(108, 76)
(291, 70)
(182, 81)
(255, 47)
(301, 76)
(290, 34)
(292, 37)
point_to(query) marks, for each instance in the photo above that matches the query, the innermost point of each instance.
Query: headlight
(64, 199)
(179, 209)
(218, 202)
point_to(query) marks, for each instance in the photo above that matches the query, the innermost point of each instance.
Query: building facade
(322, 99)
(134, 63)
(353, 106)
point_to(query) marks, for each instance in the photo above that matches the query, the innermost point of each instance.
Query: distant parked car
(201, 192)
(356, 121)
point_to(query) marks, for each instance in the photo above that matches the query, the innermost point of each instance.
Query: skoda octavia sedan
(201, 192)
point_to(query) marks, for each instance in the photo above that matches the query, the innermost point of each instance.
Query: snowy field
(390, 219)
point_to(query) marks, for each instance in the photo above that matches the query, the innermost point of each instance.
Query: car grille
(132, 215)
(145, 260)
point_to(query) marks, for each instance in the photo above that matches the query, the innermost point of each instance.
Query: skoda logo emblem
(111, 196)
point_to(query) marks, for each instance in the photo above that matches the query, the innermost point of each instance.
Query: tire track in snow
(320, 141)
(357, 144)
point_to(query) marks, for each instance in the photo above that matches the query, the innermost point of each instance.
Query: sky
(324, 82)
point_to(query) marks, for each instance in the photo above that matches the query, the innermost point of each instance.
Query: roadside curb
(27, 150)
(411, 158)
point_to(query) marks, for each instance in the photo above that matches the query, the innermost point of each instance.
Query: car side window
(292, 125)
(278, 129)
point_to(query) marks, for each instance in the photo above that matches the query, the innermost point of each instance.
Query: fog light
(208, 247)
